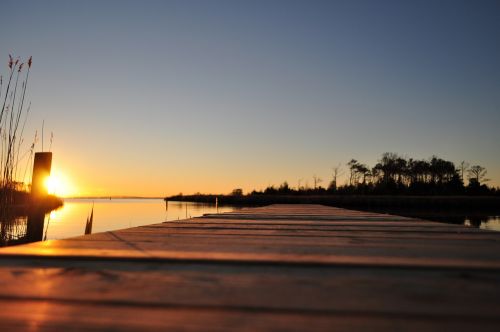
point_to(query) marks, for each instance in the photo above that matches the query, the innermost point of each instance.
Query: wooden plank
(171, 240)
(289, 267)
(339, 222)
(144, 233)
(325, 229)
(304, 217)
(269, 251)
(290, 245)
(282, 231)
(294, 241)
(56, 316)
(316, 290)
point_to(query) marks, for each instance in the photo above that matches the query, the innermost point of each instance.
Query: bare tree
(298, 184)
(306, 186)
(463, 167)
(336, 172)
(477, 174)
(317, 180)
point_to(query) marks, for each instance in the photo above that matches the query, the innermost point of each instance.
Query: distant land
(395, 181)
(114, 197)
(350, 201)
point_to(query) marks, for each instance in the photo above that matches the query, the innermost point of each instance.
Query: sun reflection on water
(112, 214)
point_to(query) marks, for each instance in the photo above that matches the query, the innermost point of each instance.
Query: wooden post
(41, 171)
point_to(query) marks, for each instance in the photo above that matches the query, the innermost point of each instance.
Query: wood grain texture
(56, 316)
(275, 268)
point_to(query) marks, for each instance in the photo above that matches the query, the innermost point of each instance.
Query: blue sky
(161, 97)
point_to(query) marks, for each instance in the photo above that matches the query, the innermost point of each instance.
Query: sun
(58, 184)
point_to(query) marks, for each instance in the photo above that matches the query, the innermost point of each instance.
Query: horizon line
(113, 197)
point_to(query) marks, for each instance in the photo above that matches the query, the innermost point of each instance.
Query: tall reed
(13, 116)
(90, 221)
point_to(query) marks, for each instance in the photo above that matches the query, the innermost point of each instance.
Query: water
(120, 213)
(70, 219)
(488, 220)
(491, 223)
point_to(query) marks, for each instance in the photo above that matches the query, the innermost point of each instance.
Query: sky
(154, 98)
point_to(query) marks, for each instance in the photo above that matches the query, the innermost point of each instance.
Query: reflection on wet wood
(282, 267)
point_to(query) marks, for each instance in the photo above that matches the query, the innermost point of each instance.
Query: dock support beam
(41, 171)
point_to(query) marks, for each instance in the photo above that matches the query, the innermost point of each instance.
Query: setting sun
(58, 184)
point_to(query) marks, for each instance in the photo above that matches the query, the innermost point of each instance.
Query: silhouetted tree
(299, 188)
(284, 188)
(441, 170)
(386, 168)
(316, 180)
(463, 167)
(237, 192)
(477, 174)
(363, 172)
(270, 190)
(352, 170)
(395, 174)
(336, 172)
(356, 170)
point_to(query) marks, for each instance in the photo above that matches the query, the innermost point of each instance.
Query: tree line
(394, 174)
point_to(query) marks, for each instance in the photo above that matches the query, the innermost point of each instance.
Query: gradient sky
(161, 97)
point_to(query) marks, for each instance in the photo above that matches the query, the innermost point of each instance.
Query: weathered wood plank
(338, 222)
(61, 316)
(250, 240)
(281, 267)
(288, 245)
(318, 218)
(323, 229)
(319, 289)
(285, 232)
(218, 251)
(146, 234)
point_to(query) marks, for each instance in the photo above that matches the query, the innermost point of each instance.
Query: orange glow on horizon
(58, 184)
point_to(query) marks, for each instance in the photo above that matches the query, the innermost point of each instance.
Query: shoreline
(352, 201)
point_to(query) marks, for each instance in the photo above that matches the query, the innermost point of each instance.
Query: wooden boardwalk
(280, 267)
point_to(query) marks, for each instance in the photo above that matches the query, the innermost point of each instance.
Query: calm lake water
(70, 219)
(488, 220)
(115, 214)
